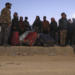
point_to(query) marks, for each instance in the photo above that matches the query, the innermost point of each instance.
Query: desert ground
(37, 65)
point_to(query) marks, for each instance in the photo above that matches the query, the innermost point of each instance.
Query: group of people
(62, 34)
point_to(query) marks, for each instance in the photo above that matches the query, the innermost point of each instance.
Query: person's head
(8, 5)
(52, 19)
(26, 18)
(15, 14)
(37, 18)
(69, 20)
(63, 15)
(44, 18)
(73, 20)
(21, 18)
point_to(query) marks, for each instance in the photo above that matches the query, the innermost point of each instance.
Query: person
(45, 26)
(21, 26)
(27, 25)
(0, 19)
(70, 32)
(0, 23)
(53, 28)
(15, 24)
(63, 29)
(69, 20)
(37, 24)
(74, 30)
(5, 24)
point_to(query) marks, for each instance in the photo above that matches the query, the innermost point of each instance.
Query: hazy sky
(49, 8)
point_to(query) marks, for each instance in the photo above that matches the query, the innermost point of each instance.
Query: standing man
(70, 32)
(0, 23)
(45, 26)
(63, 29)
(5, 24)
(21, 26)
(27, 25)
(74, 31)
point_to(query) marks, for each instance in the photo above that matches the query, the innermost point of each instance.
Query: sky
(49, 8)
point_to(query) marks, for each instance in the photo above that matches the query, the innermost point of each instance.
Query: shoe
(6, 45)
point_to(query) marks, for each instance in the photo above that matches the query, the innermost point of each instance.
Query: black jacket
(27, 25)
(63, 24)
(53, 26)
(15, 23)
(70, 27)
(74, 26)
(38, 24)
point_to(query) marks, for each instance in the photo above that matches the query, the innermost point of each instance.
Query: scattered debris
(24, 54)
(18, 63)
(64, 54)
(52, 54)
(28, 54)
(10, 63)
(18, 53)
(13, 54)
(32, 54)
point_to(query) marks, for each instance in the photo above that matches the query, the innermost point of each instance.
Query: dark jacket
(27, 25)
(0, 20)
(15, 24)
(70, 27)
(53, 29)
(38, 24)
(63, 24)
(21, 25)
(74, 26)
(53, 26)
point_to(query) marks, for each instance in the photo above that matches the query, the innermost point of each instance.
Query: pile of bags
(32, 38)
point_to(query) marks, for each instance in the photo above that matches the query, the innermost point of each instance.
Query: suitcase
(21, 38)
(15, 39)
(30, 39)
(46, 40)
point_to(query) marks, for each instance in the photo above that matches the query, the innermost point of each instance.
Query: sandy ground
(37, 65)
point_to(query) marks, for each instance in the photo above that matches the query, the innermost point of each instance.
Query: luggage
(38, 42)
(21, 38)
(15, 39)
(30, 39)
(46, 40)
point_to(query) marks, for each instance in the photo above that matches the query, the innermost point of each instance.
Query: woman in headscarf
(53, 28)
(37, 24)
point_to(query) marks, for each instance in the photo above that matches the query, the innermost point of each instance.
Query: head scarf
(52, 19)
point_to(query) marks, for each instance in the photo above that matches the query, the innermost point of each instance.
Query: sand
(37, 65)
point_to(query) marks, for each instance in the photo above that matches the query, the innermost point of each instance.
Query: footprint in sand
(18, 63)
(10, 63)
(0, 65)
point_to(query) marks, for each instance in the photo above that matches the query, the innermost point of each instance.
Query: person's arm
(55, 28)
(8, 16)
(60, 24)
(23, 26)
(48, 26)
(33, 25)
